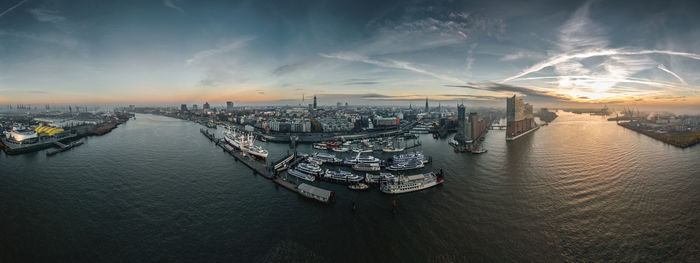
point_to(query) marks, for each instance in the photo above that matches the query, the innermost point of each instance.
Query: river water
(155, 189)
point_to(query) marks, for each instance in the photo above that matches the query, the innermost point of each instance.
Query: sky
(362, 52)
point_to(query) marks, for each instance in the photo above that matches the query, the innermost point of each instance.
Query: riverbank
(678, 139)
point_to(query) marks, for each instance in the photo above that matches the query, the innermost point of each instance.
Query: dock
(265, 170)
(63, 147)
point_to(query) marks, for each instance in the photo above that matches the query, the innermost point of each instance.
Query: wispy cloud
(389, 63)
(505, 88)
(46, 38)
(12, 7)
(204, 54)
(289, 68)
(662, 67)
(170, 4)
(47, 15)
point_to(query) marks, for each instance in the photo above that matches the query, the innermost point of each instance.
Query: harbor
(307, 167)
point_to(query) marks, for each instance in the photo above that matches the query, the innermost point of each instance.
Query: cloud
(520, 55)
(46, 15)
(289, 68)
(389, 63)
(12, 8)
(46, 38)
(662, 67)
(503, 88)
(170, 4)
(360, 83)
(204, 54)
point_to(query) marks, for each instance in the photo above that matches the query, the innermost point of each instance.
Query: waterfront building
(383, 122)
(519, 117)
(463, 127)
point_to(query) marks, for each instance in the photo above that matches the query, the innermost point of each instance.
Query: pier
(63, 147)
(263, 169)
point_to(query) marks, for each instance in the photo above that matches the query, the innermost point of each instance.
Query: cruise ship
(406, 165)
(244, 142)
(410, 183)
(308, 168)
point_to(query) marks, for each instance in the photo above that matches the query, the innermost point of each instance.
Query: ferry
(406, 165)
(341, 176)
(360, 159)
(411, 183)
(308, 168)
(327, 158)
(367, 167)
(301, 175)
(409, 156)
(377, 178)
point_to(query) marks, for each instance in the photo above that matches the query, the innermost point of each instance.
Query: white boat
(320, 146)
(308, 168)
(406, 165)
(347, 143)
(360, 159)
(301, 175)
(327, 158)
(342, 176)
(341, 149)
(367, 167)
(377, 178)
(393, 150)
(410, 183)
(409, 156)
(358, 187)
(361, 150)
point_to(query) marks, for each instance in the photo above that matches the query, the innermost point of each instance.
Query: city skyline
(259, 52)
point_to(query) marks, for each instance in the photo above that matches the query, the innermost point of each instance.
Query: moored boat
(358, 187)
(367, 167)
(301, 175)
(410, 183)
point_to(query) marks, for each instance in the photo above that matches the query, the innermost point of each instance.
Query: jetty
(63, 147)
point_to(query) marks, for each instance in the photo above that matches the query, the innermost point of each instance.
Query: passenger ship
(406, 184)
(244, 142)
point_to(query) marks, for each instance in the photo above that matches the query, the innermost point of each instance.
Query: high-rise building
(315, 105)
(206, 106)
(229, 105)
(463, 127)
(519, 117)
(427, 109)
(194, 107)
(132, 108)
(183, 107)
(338, 105)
